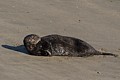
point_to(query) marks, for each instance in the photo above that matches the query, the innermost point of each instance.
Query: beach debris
(27, 12)
(98, 72)
(111, 1)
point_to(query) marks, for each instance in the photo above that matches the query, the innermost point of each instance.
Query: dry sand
(94, 21)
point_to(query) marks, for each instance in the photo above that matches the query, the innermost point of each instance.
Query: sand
(94, 21)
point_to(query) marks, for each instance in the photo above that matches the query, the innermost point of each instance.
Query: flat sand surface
(94, 21)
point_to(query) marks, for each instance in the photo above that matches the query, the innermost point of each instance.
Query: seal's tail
(104, 53)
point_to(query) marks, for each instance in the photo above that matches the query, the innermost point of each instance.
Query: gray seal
(57, 45)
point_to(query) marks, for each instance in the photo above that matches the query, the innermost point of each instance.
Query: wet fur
(57, 45)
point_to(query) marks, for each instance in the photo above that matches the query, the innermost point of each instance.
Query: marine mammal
(58, 45)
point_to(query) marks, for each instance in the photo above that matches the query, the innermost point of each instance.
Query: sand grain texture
(94, 21)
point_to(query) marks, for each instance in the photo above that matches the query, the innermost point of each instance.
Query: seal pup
(57, 45)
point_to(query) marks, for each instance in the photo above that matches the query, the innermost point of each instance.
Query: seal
(58, 45)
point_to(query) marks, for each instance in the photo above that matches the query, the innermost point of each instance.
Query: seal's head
(30, 41)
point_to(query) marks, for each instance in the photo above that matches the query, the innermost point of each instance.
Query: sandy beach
(94, 21)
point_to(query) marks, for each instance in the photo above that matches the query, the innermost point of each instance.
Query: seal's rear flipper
(115, 55)
(105, 53)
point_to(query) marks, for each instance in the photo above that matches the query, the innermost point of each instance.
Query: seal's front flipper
(48, 53)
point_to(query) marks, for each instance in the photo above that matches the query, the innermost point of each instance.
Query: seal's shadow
(20, 48)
